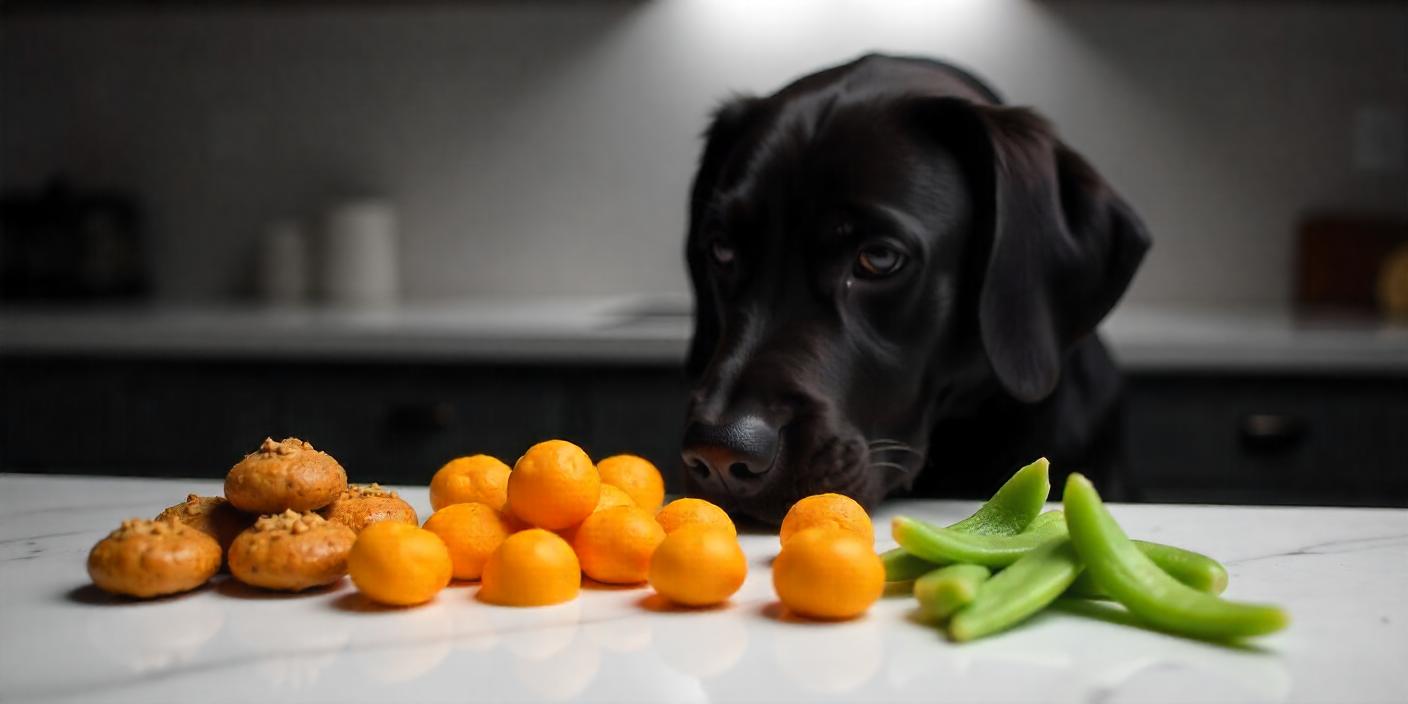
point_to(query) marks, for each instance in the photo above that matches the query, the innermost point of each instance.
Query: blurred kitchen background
(410, 231)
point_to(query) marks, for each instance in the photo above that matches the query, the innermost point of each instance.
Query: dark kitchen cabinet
(1268, 439)
(1199, 437)
(394, 423)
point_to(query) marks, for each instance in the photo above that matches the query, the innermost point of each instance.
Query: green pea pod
(1019, 591)
(1045, 522)
(1015, 504)
(946, 545)
(1193, 569)
(1132, 579)
(900, 566)
(944, 591)
(1009, 512)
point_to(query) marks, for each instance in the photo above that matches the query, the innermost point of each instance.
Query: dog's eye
(722, 252)
(876, 260)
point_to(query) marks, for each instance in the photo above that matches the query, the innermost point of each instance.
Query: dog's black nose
(734, 454)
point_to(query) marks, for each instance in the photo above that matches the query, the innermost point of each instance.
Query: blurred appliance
(1344, 263)
(61, 243)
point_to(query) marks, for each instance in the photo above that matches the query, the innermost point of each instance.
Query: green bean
(1045, 520)
(946, 545)
(1106, 611)
(1193, 569)
(1009, 511)
(1019, 591)
(1132, 579)
(900, 566)
(944, 591)
(1015, 504)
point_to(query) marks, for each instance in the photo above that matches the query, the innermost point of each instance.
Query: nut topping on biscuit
(368, 491)
(287, 446)
(142, 526)
(198, 506)
(291, 521)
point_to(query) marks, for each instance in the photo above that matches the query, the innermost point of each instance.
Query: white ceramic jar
(281, 274)
(358, 254)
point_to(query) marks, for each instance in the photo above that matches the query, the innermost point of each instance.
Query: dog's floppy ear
(723, 134)
(1064, 245)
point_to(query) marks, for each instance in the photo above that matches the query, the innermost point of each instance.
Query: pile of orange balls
(529, 534)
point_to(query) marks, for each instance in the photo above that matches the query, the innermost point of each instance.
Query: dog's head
(871, 248)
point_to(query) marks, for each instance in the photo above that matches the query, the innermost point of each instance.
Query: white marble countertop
(1341, 572)
(656, 329)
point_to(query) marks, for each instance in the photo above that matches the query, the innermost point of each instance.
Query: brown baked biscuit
(284, 475)
(361, 505)
(291, 552)
(152, 558)
(212, 515)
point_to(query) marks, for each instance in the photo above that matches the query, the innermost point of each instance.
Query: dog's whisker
(892, 441)
(891, 465)
(888, 444)
(910, 450)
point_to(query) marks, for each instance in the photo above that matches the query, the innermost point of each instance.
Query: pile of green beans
(1008, 561)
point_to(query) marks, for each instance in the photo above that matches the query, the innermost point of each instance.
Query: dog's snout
(734, 454)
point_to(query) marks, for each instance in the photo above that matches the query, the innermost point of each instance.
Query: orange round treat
(212, 515)
(399, 564)
(284, 475)
(474, 479)
(698, 565)
(827, 511)
(611, 497)
(828, 573)
(534, 567)
(637, 477)
(615, 545)
(361, 505)
(687, 512)
(153, 558)
(471, 532)
(554, 485)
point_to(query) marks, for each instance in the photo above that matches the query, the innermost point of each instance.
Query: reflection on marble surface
(702, 644)
(1341, 573)
(139, 635)
(855, 661)
(624, 635)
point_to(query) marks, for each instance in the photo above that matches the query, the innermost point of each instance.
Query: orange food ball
(611, 497)
(637, 477)
(687, 512)
(471, 532)
(828, 573)
(615, 545)
(534, 567)
(698, 565)
(399, 564)
(827, 511)
(554, 485)
(478, 478)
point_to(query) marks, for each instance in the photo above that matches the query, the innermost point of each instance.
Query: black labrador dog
(896, 284)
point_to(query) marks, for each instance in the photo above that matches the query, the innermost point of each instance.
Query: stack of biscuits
(287, 522)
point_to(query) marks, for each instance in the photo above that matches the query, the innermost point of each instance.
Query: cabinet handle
(1272, 433)
(421, 417)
